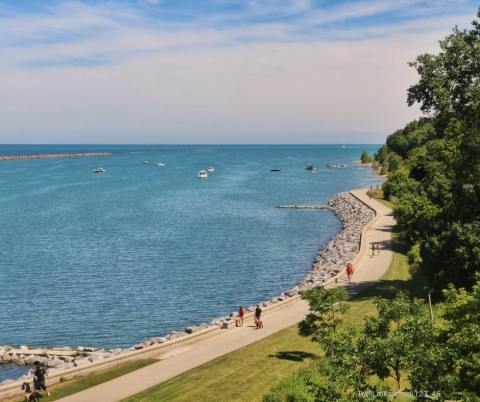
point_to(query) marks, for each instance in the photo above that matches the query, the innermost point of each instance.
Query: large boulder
(29, 360)
(82, 361)
(55, 362)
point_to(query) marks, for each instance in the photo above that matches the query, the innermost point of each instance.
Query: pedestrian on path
(373, 248)
(349, 271)
(241, 313)
(258, 317)
(39, 383)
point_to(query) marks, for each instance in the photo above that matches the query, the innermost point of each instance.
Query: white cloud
(169, 83)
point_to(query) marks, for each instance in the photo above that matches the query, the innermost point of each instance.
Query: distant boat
(336, 165)
(202, 174)
(99, 170)
(161, 164)
(309, 166)
(146, 162)
(211, 169)
(275, 170)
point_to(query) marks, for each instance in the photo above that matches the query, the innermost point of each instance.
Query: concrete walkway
(367, 270)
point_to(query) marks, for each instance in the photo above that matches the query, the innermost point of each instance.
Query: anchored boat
(202, 174)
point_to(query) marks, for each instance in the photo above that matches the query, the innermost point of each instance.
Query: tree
(388, 340)
(365, 157)
(449, 83)
(434, 163)
(326, 308)
(448, 362)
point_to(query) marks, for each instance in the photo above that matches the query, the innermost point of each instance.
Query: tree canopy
(433, 163)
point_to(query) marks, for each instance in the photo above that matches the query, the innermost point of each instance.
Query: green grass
(248, 373)
(76, 385)
(378, 195)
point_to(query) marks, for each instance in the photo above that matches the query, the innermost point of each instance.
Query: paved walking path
(367, 270)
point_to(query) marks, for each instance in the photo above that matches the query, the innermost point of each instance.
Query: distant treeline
(433, 164)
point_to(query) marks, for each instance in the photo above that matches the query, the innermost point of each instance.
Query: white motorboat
(99, 170)
(161, 164)
(211, 169)
(146, 162)
(202, 174)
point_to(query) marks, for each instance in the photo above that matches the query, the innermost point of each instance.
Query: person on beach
(349, 271)
(377, 248)
(258, 317)
(373, 248)
(241, 313)
(39, 383)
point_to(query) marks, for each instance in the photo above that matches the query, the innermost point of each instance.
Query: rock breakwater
(333, 257)
(51, 156)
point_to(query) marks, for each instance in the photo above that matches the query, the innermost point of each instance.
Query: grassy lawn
(73, 386)
(378, 195)
(247, 374)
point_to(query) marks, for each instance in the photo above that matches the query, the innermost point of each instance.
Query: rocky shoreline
(330, 261)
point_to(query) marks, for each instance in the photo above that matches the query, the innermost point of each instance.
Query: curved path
(367, 270)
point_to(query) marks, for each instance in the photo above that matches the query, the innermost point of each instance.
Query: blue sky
(215, 71)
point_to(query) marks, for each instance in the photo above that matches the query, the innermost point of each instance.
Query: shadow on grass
(296, 355)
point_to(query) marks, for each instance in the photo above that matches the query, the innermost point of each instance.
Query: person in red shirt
(349, 271)
(241, 313)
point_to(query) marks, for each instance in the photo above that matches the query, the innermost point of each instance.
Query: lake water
(112, 259)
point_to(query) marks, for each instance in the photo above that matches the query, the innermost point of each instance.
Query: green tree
(326, 310)
(388, 340)
(366, 158)
(434, 163)
(449, 83)
(448, 362)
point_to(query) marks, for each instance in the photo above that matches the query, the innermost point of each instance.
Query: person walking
(39, 383)
(349, 271)
(241, 313)
(258, 317)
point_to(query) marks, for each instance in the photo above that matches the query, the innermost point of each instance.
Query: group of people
(257, 317)
(39, 373)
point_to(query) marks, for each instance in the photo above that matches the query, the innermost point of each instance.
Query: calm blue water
(112, 259)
